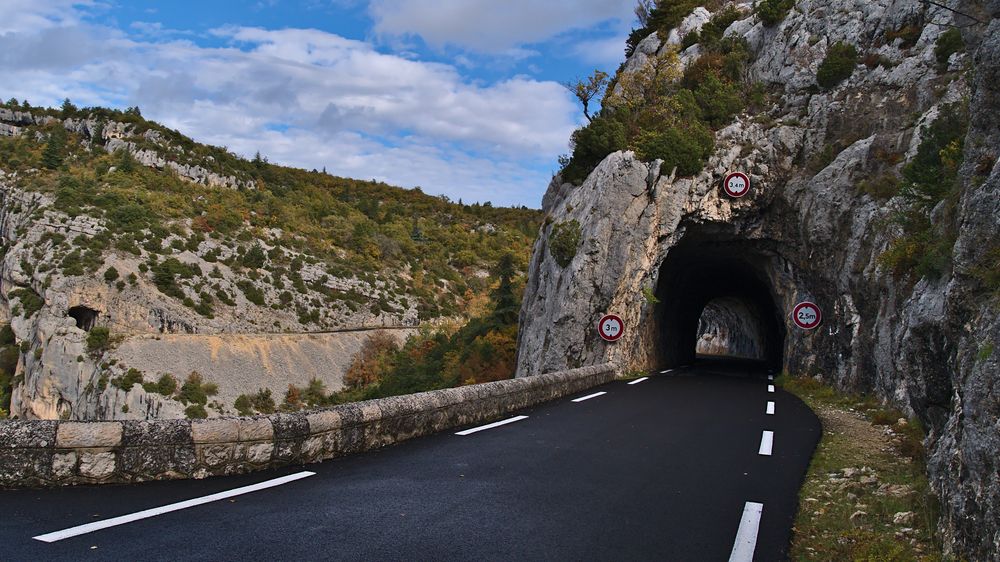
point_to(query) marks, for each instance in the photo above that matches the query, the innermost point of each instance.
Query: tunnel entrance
(86, 317)
(716, 298)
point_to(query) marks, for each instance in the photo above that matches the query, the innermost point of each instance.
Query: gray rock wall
(807, 232)
(46, 453)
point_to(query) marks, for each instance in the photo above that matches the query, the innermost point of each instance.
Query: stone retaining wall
(50, 453)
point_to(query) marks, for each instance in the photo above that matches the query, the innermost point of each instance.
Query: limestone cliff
(655, 247)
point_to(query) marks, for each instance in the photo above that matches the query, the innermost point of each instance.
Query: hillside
(115, 227)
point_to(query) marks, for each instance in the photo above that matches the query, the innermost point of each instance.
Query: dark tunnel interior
(717, 286)
(84, 316)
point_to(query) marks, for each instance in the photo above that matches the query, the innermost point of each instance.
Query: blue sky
(459, 97)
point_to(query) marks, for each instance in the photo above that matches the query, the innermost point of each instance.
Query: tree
(68, 109)
(55, 149)
(369, 363)
(587, 89)
(505, 305)
(642, 11)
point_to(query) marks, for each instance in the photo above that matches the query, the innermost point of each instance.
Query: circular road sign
(736, 184)
(611, 327)
(806, 315)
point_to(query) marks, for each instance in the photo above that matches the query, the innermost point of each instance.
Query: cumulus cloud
(309, 98)
(490, 26)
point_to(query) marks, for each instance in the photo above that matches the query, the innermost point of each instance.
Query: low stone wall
(49, 453)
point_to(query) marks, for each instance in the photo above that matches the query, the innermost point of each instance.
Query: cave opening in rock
(86, 317)
(716, 298)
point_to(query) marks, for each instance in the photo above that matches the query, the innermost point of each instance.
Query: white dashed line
(115, 521)
(770, 388)
(770, 408)
(491, 425)
(770, 377)
(766, 442)
(588, 397)
(667, 371)
(637, 381)
(746, 536)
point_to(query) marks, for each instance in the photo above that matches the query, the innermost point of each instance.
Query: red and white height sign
(736, 184)
(610, 327)
(806, 315)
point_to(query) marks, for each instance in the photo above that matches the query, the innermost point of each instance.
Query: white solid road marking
(115, 521)
(637, 381)
(766, 441)
(770, 408)
(492, 425)
(588, 397)
(746, 536)
(770, 388)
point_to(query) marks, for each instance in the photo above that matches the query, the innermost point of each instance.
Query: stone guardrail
(53, 453)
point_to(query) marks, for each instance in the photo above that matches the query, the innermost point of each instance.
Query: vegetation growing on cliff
(9, 354)
(661, 113)
(279, 229)
(930, 182)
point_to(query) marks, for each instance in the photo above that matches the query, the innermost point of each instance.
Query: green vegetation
(196, 411)
(262, 402)
(773, 12)
(166, 385)
(131, 378)
(30, 301)
(864, 490)
(9, 355)
(929, 179)
(195, 390)
(425, 248)
(838, 65)
(564, 240)
(985, 352)
(98, 340)
(661, 117)
(948, 43)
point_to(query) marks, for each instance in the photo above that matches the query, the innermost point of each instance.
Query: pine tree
(55, 149)
(68, 109)
(505, 305)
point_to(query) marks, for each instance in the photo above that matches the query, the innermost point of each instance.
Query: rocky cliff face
(810, 229)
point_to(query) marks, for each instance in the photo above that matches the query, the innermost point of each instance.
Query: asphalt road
(658, 470)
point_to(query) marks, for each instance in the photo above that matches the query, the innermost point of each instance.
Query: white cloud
(339, 103)
(490, 26)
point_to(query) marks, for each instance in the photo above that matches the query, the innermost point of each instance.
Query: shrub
(685, 149)
(167, 384)
(196, 411)
(98, 339)
(948, 43)
(195, 390)
(125, 382)
(371, 360)
(251, 292)
(254, 258)
(563, 241)
(243, 405)
(591, 144)
(880, 187)
(110, 274)
(719, 100)
(30, 301)
(772, 12)
(165, 276)
(837, 66)
(263, 401)
(712, 31)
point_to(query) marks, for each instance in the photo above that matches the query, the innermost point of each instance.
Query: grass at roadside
(866, 495)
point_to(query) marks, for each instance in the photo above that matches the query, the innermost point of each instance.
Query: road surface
(676, 467)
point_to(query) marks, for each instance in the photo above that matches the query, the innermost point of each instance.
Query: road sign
(611, 327)
(736, 184)
(806, 315)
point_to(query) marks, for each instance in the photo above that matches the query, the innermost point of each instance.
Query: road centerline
(491, 425)
(146, 514)
(746, 536)
(637, 381)
(588, 397)
(766, 443)
(770, 407)
(770, 388)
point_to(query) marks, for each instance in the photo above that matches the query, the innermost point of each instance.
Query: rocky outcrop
(655, 248)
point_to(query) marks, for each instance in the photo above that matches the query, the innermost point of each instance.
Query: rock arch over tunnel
(717, 296)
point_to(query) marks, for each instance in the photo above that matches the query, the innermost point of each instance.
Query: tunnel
(715, 298)
(84, 316)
